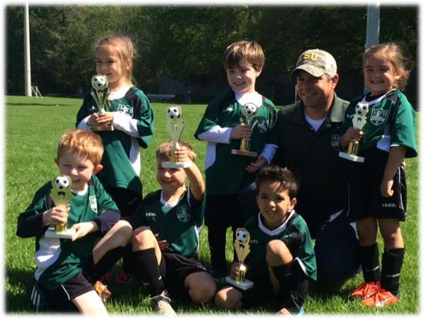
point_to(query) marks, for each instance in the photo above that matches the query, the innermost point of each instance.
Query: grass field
(33, 128)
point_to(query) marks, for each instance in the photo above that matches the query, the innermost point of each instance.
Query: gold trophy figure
(249, 112)
(359, 120)
(61, 195)
(100, 93)
(175, 126)
(242, 247)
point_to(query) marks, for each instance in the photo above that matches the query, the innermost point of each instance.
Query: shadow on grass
(17, 300)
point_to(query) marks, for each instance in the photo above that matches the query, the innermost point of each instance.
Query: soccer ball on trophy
(174, 112)
(99, 82)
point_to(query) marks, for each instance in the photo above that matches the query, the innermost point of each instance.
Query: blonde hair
(164, 150)
(125, 51)
(240, 51)
(82, 143)
(397, 57)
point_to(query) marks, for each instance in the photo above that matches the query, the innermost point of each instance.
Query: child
(166, 242)
(378, 187)
(132, 119)
(91, 213)
(226, 174)
(281, 260)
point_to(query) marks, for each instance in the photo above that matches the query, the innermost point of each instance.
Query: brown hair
(83, 143)
(125, 51)
(397, 57)
(240, 51)
(164, 150)
(275, 173)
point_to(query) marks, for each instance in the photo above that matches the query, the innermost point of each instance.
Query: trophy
(100, 93)
(175, 126)
(61, 195)
(359, 120)
(242, 247)
(248, 117)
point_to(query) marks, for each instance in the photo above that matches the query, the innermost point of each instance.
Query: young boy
(59, 280)
(166, 242)
(281, 260)
(226, 174)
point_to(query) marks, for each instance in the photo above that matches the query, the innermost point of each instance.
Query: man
(307, 143)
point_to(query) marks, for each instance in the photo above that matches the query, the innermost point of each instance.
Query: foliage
(33, 127)
(186, 43)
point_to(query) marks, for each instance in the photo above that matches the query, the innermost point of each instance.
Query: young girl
(378, 186)
(131, 117)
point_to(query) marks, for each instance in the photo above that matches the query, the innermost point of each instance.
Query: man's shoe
(102, 290)
(162, 304)
(219, 274)
(381, 299)
(366, 290)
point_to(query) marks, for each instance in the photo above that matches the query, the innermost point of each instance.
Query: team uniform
(180, 226)
(313, 156)
(133, 124)
(295, 234)
(390, 123)
(60, 262)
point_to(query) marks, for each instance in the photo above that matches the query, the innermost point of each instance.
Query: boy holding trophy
(235, 125)
(67, 268)
(281, 261)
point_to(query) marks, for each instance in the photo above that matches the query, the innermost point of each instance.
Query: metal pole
(27, 54)
(373, 25)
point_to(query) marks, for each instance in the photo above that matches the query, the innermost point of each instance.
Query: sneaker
(366, 290)
(162, 304)
(102, 290)
(381, 299)
(124, 278)
(219, 274)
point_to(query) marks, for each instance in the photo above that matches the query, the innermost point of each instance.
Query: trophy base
(244, 153)
(52, 233)
(102, 128)
(351, 157)
(243, 285)
(176, 165)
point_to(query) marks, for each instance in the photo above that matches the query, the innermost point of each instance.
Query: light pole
(27, 55)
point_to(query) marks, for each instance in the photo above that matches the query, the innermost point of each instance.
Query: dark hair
(239, 51)
(275, 173)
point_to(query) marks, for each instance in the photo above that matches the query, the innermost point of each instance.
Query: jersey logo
(93, 203)
(183, 214)
(229, 109)
(262, 125)
(125, 108)
(378, 116)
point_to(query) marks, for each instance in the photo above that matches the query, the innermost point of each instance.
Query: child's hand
(181, 154)
(97, 119)
(256, 165)
(352, 135)
(386, 188)
(235, 270)
(163, 244)
(284, 312)
(83, 229)
(241, 131)
(56, 216)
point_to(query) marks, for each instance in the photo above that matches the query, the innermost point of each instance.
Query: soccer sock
(217, 244)
(94, 272)
(127, 261)
(369, 258)
(148, 271)
(390, 269)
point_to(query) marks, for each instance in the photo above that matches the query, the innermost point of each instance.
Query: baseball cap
(317, 63)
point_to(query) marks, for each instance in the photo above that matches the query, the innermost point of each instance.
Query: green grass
(33, 128)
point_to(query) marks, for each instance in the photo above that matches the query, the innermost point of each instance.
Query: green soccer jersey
(179, 225)
(390, 122)
(226, 173)
(134, 124)
(294, 232)
(59, 260)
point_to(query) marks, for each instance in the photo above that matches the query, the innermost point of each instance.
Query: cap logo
(310, 56)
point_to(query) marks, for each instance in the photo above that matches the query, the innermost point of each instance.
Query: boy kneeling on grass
(67, 268)
(166, 237)
(281, 260)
